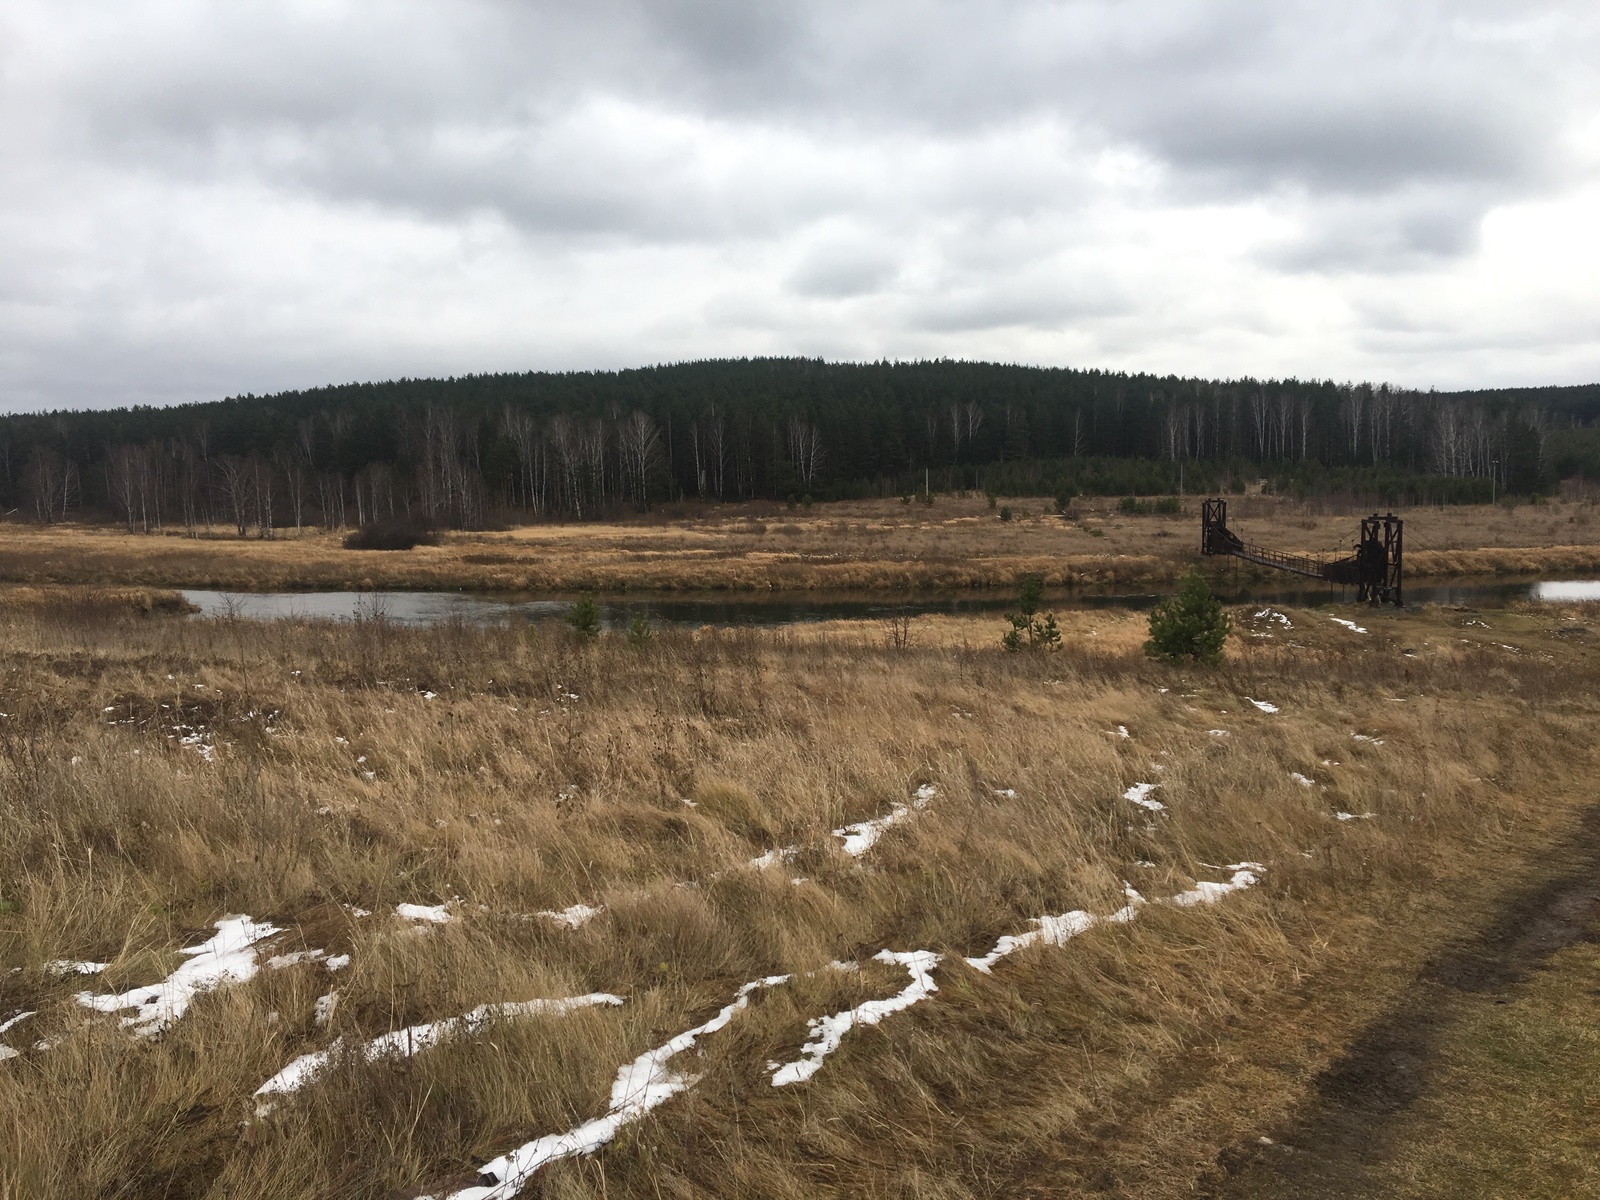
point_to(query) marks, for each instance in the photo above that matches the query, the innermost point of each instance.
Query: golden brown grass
(546, 772)
(956, 543)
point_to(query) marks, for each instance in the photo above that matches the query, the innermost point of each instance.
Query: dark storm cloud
(233, 175)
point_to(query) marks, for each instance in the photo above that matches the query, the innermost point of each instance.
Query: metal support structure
(1374, 569)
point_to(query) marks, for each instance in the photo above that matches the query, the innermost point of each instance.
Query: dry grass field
(1325, 813)
(955, 543)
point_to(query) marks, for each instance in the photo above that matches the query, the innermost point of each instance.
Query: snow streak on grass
(773, 858)
(403, 1043)
(66, 966)
(1057, 931)
(574, 916)
(828, 1032)
(437, 914)
(1245, 874)
(639, 1087)
(1263, 705)
(229, 957)
(860, 837)
(1347, 624)
(6, 1051)
(1139, 794)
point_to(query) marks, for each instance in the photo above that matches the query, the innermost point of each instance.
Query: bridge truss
(1374, 569)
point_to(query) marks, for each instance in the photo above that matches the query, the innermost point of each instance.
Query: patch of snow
(1263, 705)
(773, 858)
(1344, 816)
(1219, 733)
(1058, 931)
(279, 961)
(403, 1043)
(1005, 793)
(1245, 874)
(228, 957)
(1123, 730)
(573, 917)
(65, 966)
(1267, 614)
(337, 962)
(1361, 737)
(1139, 794)
(323, 1009)
(6, 1051)
(860, 837)
(1347, 624)
(438, 914)
(1302, 780)
(828, 1032)
(639, 1087)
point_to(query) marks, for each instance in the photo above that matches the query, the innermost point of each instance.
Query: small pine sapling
(1190, 625)
(640, 631)
(1028, 630)
(584, 617)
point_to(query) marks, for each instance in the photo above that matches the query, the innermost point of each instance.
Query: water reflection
(432, 608)
(1568, 590)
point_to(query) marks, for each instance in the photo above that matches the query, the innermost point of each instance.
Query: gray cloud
(214, 198)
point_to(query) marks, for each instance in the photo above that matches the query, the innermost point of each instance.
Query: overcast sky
(200, 199)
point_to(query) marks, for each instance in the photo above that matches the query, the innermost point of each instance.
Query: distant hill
(461, 450)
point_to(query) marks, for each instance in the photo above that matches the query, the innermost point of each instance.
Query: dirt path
(1341, 1142)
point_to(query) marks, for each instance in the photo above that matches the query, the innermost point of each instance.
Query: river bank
(953, 546)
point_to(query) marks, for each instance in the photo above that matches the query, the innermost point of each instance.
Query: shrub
(1028, 631)
(402, 533)
(584, 617)
(1005, 512)
(1190, 625)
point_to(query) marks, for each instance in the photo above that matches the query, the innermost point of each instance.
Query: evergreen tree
(1190, 625)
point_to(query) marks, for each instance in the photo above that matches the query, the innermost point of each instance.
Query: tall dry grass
(547, 771)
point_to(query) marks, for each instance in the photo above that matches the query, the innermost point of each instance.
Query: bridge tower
(1378, 559)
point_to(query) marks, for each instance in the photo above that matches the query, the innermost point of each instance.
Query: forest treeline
(478, 450)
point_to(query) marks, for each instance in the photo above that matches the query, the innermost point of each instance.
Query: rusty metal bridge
(1374, 569)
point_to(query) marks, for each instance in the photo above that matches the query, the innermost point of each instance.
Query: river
(430, 608)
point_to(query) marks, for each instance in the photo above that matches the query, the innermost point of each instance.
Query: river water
(430, 608)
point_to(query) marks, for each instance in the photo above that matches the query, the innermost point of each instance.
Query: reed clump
(159, 775)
